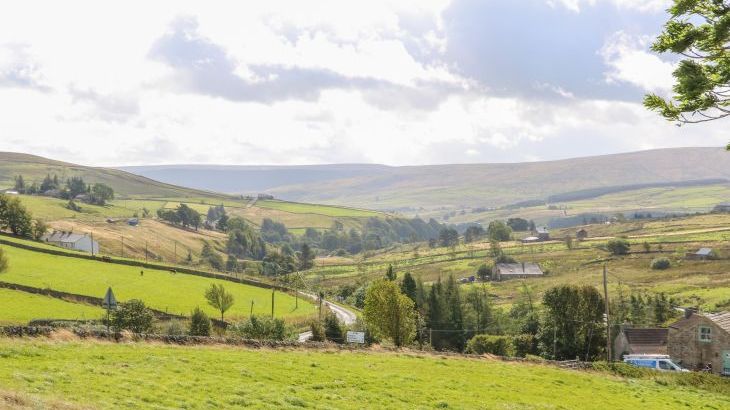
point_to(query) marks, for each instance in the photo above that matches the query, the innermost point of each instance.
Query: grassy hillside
(159, 289)
(18, 307)
(149, 376)
(693, 283)
(458, 186)
(34, 168)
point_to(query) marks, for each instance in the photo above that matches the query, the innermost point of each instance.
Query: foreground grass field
(18, 307)
(159, 289)
(105, 375)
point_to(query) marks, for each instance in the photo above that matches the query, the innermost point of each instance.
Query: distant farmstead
(701, 254)
(70, 240)
(543, 233)
(503, 271)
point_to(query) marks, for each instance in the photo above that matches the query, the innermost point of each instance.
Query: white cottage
(70, 240)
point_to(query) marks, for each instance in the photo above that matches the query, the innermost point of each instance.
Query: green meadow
(18, 307)
(131, 375)
(159, 289)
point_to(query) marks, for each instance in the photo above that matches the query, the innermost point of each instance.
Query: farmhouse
(503, 271)
(70, 240)
(700, 339)
(640, 341)
(702, 254)
(543, 233)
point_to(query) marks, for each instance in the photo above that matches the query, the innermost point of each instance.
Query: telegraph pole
(92, 243)
(608, 322)
(145, 251)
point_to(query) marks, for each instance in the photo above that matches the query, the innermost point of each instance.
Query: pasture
(159, 289)
(18, 307)
(136, 375)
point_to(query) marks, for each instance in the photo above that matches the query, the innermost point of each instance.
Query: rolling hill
(410, 188)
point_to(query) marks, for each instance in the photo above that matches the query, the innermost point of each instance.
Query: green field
(159, 289)
(131, 375)
(326, 210)
(18, 307)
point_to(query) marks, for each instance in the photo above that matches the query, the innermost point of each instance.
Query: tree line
(73, 188)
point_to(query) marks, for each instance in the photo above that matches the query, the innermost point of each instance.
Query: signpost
(109, 303)
(356, 337)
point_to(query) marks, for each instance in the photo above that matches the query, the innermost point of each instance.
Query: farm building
(581, 234)
(503, 271)
(543, 233)
(702, 254)
(698, 339)
(531, 239)
(70, 240)
(640, 341)
(722, 207)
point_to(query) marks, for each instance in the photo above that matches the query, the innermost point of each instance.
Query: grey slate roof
(66, 237)
(647, 336)
(704, 252)
(721, 319)
(528, 268)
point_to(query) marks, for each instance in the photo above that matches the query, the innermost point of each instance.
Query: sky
(405, 82)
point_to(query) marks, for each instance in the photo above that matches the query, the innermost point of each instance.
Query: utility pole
(145, 251)
(251, 314)
(92, 244)
(608, 322)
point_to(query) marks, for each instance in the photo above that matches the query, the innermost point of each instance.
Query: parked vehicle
(658, 362)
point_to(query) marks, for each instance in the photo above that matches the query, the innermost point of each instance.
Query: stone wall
(687, 350)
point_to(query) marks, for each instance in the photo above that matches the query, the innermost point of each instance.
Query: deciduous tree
(389, 313)
(219, 298)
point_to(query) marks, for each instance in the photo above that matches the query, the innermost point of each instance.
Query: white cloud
(630, 62)
(637, 5)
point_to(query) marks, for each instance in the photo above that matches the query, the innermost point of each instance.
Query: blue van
(658, 362)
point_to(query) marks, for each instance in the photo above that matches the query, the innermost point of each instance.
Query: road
(346, 316)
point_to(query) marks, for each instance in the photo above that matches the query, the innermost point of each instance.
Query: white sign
(356, 337)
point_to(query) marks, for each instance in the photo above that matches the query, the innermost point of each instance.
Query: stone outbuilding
(640, 341)
(698, 339)
(523, 270)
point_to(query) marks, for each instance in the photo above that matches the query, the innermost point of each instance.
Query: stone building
(640, 341)
(699, 339)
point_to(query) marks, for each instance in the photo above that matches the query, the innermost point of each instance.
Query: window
(705, 334)
(665, 366)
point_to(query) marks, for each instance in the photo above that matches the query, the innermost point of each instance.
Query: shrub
(262, 328)
(317, 330)
(618, 246)
(504, 259)
(199, 323)
(660, 263)
(333, 330)
(524, 345)
(489, 344)
(174, 328)
(132, 315)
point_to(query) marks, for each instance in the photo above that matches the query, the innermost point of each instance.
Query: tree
(573, 323)
(698, 31)
(408, 286)
(473, 233)
(306, 257)
(499, 231)
(518, 224)
(213, 258)
(484, 272)
(100, 193)
(333, 330)
(618, 246)
(449, 237)
(39, 229)
(132, 315)
(569, 242)
(232, 264)
(389, 313)
(19, 184)
(390, 273)
(14, 217)
(75, 186)
(3, 261)
(219, 298)
(199, 323)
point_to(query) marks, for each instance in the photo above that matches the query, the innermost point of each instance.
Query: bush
(660, 263)
(333, 330)
(484, 272)
(489, 344)
(262, 328)
(524, 345)
(132, 315)
(504, 259)
(174, 328)
(199, 323)
(618, 246)
(317, 330)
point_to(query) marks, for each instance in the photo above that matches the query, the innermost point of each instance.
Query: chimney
(688, 312)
